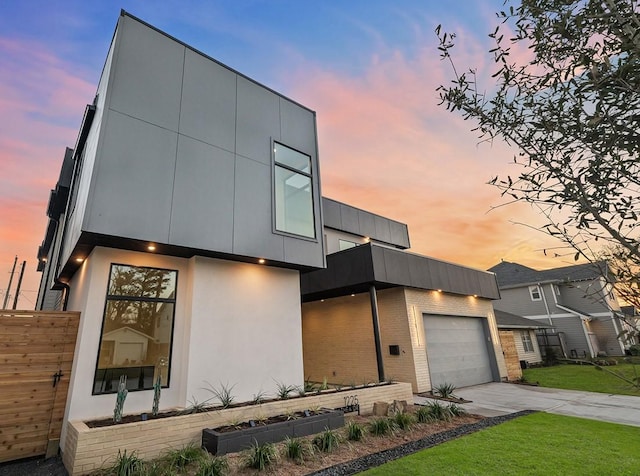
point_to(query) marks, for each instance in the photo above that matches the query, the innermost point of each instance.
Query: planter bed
(86, 449)
(223, 440)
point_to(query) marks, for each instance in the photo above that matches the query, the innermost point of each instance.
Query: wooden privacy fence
(36, 355)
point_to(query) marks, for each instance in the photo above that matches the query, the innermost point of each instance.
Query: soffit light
(151, 247)
(262, 261)
(79, 260)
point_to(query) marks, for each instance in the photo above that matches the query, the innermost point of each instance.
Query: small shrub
(380, 427)
(634, 349)
(183, 457)
(284, 391)
(355, 432)
(445, 390)
(296, 449)
(438, 411)
(456, 410)
(196, 407)
(223, 394)
(423, 415)
(213, 466)
(126, 465)
(309, 386)
(258, 398)
(259, 456)
(550, 357)
(403, 420)
(327, 441)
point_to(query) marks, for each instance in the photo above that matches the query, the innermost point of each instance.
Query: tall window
(527, 344)
(534, 291)
(137, 328)
(293, 192)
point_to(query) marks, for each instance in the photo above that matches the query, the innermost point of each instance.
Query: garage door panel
(457, 350)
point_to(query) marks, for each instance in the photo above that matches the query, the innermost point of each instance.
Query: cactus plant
(120, 398)
(156, 396)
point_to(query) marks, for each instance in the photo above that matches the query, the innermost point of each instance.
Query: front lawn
(540, 443)
(585, 377)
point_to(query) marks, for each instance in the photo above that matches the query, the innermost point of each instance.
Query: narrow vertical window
(293, 192)
(527, 343)
(137, 328)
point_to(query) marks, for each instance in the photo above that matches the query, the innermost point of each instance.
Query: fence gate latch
(56, 377)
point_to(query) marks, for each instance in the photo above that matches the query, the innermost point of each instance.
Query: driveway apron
(493, 399)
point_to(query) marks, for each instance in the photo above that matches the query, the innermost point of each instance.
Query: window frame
(535, 288)
(117, 297)
(528, 342)
(310, 175)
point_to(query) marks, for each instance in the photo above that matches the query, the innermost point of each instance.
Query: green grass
(584, 377)
(540, 443)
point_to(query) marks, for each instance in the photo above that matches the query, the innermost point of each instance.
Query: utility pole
(6, 294)
(15, 300)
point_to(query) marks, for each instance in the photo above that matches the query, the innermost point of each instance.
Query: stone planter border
(87, 449)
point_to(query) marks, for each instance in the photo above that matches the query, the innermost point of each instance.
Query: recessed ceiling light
(79, 260)
(352, 295)
(151, 247)
(261, 261)
(439, 290)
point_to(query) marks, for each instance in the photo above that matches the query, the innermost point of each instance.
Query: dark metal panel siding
(349, 219)
(383, 229)
(367, 224)
(399, 234)
(331, 211)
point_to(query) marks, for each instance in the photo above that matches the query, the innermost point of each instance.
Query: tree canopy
(566, 93)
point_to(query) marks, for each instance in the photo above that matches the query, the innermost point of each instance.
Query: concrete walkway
(493, 399)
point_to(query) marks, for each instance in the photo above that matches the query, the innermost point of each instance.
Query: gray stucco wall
(183, 153)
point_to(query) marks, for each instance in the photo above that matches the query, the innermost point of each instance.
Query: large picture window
(137, 328)
(293, 192)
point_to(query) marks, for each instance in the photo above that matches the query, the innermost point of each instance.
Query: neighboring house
(632, 319)
(378, 311)
(575, 300)
(184, 223)
(524, 334)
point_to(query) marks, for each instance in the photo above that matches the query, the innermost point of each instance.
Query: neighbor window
(293, 192)
(535, 293)
(527, 344)
(137, 328)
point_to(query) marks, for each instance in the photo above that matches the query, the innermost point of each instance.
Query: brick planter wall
(87, 449)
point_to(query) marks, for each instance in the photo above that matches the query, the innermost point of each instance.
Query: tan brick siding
(511, 358)
(337, 340)
(87, 449)
(433, 302)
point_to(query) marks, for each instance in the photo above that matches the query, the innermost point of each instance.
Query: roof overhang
(354, 270)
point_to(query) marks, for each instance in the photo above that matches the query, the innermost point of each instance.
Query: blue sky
(368, 68)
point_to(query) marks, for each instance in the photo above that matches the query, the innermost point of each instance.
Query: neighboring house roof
(506, 320)
(127, 328)
(356, 269)
(514, 274)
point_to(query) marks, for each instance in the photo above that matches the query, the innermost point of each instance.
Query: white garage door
(457, 350)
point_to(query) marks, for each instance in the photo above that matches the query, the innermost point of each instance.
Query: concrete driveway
(493, 399)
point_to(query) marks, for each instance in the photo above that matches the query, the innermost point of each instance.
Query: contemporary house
(179, 227)
(187, 226)
(575, 300)
(378, 311)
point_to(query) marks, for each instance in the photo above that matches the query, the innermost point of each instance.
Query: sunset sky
(369, 68)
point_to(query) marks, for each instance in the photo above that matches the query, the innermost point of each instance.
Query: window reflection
(137, 328)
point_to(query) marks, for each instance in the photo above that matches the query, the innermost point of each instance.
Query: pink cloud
(42, 100)
(386, 146)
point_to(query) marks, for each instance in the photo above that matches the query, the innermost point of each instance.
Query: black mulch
(54, 466)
